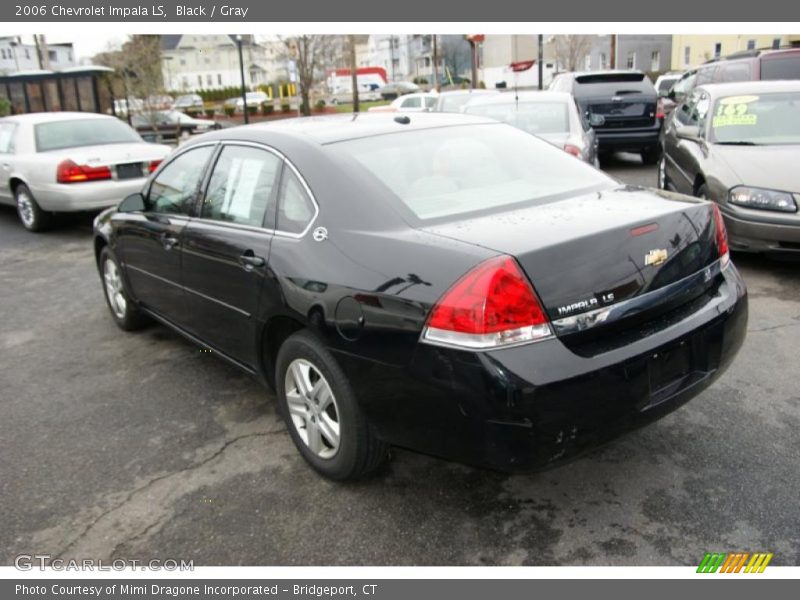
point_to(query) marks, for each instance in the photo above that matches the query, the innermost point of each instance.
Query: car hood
(772, 167)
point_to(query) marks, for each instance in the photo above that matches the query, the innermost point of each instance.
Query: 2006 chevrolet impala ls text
(444, 283)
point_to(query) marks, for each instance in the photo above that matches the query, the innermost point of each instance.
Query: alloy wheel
(312, 408)
(114, 289)
(662, 174)
(25, 209)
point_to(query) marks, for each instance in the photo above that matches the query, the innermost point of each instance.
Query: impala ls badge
(655, 257)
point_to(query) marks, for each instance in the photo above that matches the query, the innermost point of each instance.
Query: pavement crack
(216, 454)
(773, 327)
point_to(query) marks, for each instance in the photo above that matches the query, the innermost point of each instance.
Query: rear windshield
(534, 117)
(787, 67)
(618, 84)
(666, 84)
(82, 132)
(452, 171)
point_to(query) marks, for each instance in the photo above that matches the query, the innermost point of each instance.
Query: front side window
(174, 190)
(240, 188)
(468, 169)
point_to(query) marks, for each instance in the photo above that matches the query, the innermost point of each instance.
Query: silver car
(70, 162)
(553, 116)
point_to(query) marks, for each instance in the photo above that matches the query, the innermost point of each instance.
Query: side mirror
(132, 203)
(688, 132)
(596, 120)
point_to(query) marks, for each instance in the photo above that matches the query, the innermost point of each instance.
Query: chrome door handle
(168, 241)
(249, 260)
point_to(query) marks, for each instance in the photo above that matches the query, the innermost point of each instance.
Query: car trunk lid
(597, 250)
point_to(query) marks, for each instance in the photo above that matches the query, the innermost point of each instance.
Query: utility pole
(42, 52)
(541, 58)
(613, 57)
(391, 53)
(354, 72)
(241, 73)
(436, 83)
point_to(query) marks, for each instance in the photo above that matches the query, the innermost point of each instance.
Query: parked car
(254, 99)
(440, 282)
(553, 116)
(170, 125)
(188, 101)
(454, 101)
(748, 65)
(367, 93)
(627, 102)
(663, 85)
(422, 102)
(738, 144)
(68, 162)
(123, 106)
(393, 90)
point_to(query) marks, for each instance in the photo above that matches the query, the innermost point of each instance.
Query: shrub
(229, 110)
(252, 110)
(286, 107)
(319, 105)
(210, 113)
(420, 80)
(268, 109)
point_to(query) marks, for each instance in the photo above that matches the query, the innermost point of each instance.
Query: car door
(7, 131)
(688, 155)
(150, 241)
(225, 250)
(674, 148)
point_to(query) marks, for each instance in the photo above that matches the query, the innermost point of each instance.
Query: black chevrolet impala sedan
(443, 283)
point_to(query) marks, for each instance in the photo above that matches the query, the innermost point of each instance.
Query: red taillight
(574, 150)
(492, 305)
(660, 115)
(722, 235)
(154, 165)
(68, 172)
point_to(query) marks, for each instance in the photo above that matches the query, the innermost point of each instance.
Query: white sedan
(409, 103)
(70, 162)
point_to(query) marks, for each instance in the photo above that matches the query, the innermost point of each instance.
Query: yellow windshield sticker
(738, 100)
(734, 113)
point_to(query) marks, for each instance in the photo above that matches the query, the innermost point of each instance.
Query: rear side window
(787, 67)
(7, 138)
(740, 71)
(83, 132)
(412, 102)
(295, 208)
(174, 190)
(240, 187)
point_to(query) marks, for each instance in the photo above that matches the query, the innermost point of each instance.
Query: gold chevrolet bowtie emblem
(655, 257)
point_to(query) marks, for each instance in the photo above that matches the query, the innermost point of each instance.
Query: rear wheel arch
(276, 331)
(99, 243)
(699, 182)
(14, 182)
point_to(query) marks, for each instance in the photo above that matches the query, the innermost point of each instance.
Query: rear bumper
(628, 139)
(534, 406)
(89, 196)
(762, 232)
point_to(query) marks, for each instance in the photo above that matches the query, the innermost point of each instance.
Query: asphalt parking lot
(138, 446)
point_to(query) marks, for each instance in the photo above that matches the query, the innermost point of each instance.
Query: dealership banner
(608, 11)
(382, 589)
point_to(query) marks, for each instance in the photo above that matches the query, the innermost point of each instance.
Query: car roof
(49, 117)
(605, 72)
(336, 128)
(524, 97)
(750, 87)
(469, 91)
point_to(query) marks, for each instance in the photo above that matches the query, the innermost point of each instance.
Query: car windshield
(453, 171)
(666, 84)
(454, 102)
(757, 119)
(534, 117)
(83, 132)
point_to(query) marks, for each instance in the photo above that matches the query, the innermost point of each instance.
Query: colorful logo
(734, 562)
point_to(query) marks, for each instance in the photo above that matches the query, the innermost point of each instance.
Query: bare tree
(571, 50)
(354, 72)
(137, 72)
(456, 55)
(308, 52)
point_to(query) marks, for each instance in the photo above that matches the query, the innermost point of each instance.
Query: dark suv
(748, 65)
(620, 105)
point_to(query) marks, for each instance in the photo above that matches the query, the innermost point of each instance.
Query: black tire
(30, 214)
(129, 318)
(702, 191)
(649, 155)
(359, 451)
(662, 179)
